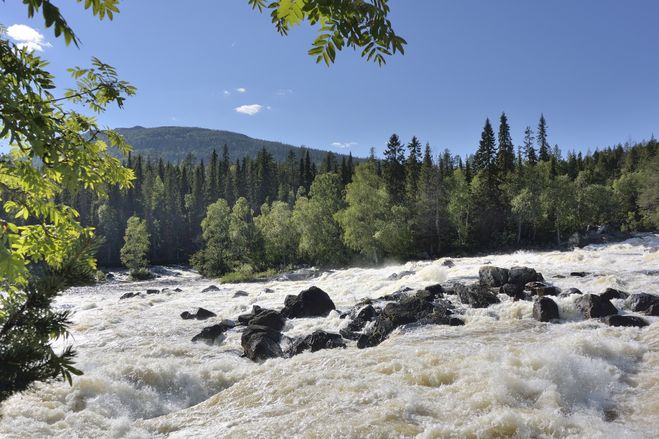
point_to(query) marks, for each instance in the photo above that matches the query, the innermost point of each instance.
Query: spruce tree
(484, 160)
(394, 169)
(506, 152)
(543, 145)
(529, 150)
(412, 169)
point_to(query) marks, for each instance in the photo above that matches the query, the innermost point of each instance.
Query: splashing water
(503, 374)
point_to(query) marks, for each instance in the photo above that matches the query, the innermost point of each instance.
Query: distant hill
(175, 143)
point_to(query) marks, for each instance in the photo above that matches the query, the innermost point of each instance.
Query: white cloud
(226, 92)
(249, 110)
(241, 89)
(27, 37)
(344, 144)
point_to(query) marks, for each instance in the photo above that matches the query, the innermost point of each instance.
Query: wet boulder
(545, 309)
(448, 263)
(316, 341)
(128, 295)
(436, 290)
(513, 290)
(593, 306)
(612, 293)
(210, 333)
(542, 289)
(523, 275)
(177, 290)
(240, 293)
(618, 320)
(244, 319)
(152, 291)
(261, 343)
(201, 314)
(569, 292)
(490, 276)
(396, 295)
(365, 315)
(402, 274)
(210, 288)
(313, 302)
(643, 302)
(270, 318)
(476, 296)
(578, 274)
(410, 309)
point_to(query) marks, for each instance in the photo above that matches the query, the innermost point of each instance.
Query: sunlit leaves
(361, 25)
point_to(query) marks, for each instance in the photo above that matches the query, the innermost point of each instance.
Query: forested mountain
(257, 213)
(174, 144)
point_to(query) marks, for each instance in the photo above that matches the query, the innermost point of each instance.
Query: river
(502, 374)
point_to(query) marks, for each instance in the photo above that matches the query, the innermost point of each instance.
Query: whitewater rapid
(503, 374)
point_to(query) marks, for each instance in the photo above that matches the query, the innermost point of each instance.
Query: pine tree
(506, 152)
(394, 169)
(543, 145)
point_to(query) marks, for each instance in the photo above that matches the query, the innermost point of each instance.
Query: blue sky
(589, 65)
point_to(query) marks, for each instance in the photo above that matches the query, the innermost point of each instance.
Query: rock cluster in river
(371, 321)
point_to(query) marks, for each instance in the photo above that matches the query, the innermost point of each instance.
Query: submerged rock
(210, 333)
(210, 288)
(410, 309)
(177, 290)
(612, 293)
(569, 292)
(448, 263)
(618, 320)
(579, 274)
(128, 295)
(240, 293)
(402, 274)
(152, 291)
(313, 302)
(476, 296)
(593, 306)
(261, 343)
(490, 276)
(643, 302)
(201, 314)
(365, 315)
(513, 290)
(545, 310)
(541, 289)
(436, 289)
(523, 275)
(316, 341)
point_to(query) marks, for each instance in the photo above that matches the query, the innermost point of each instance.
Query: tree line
(257, 214)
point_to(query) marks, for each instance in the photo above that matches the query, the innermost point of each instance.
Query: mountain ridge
(175, 143)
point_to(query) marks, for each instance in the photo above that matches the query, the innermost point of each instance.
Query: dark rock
(545, 310)
(316, 341)
(152, 291)
(579, 274)
(513, 290)
(128, 295)
(109, 276)
(475, 295)
(593, 306)
(240, 294)
(523, 275)
(450, 291)
(643, 302)
(492, 276)
(210, 333)
(313, 302)
(598, 235)
(177, 290)
(268, 290)
(448, 263)
(402, 274)
(436, 290)
(542, 289)
(569, 292)
(454, 321)
(365, 315)
(425, 295)
(261, 343)
(203, 314)
(350, 335)
(244, 319)
(611, 293)
(185, 315)
(210, 288)
(270, 318)
(410, 309)
(299, 275)
(618, 320)
(396, 295)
